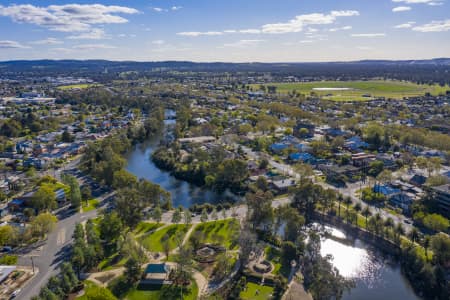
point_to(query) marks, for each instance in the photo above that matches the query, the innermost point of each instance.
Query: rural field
(358, 90)
(81, 86)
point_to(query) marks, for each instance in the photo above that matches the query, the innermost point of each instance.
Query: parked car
(14, 294)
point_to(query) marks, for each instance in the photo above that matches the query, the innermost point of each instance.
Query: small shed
(156, 274)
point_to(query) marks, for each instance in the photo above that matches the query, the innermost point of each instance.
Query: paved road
(54, 250)
(346, 191)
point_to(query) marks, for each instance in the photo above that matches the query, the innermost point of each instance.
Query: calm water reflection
(377, 276)
(185, 194)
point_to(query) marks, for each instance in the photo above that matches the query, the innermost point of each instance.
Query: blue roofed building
(279, 147)
(355, 144)
(303, 157)
(156, 274)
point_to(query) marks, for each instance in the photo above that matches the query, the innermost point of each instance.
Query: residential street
(350, 190)
(53, 251)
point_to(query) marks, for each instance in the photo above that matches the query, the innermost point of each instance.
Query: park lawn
(162, 292)
(264, 292)
(91, 290)
(152, 292)
(274, 256)
(375, 88)
(219, 232)
(145, 227)
(153, 241)
(112, 262)
(78, 86)
(90, 205)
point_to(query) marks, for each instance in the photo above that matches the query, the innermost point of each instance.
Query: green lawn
(153, 241)
(145, 227)
(91, 205)
(112, 262)
(77, 86)
(122, 290)
(93, 291)
(372, 89)
(264, 292)
(219, 232)
(274, 256)
(162, 292)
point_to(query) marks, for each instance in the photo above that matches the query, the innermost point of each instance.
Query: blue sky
(227, 30)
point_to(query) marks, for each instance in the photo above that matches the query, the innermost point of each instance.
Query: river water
(377, 276)
(183, 193)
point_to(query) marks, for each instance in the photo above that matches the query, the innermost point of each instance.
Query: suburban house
(442, 196)
(355, 144)
(339, 174)
(362, 159)
(303, 157)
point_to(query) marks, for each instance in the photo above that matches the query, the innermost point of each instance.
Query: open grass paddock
(358, 90)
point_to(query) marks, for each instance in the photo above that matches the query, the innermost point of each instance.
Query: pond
(377, 276)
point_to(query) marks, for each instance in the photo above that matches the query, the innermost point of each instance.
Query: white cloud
(401, 8)
(299, 22)
(340, 28)
(368, 35)
(176, 7)
(47, 41)
(198, 33)
(405, 25)
(159, 9)
(94, 34)
(434, 26)
(429, 2)
(244, 43)
(60, 49)
(93, 46)
(250, 31)
(295, 25)
(158, 42)
(67, 18)
(11, 45)
(364, 48)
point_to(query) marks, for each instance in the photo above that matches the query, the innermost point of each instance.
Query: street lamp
(32, 263)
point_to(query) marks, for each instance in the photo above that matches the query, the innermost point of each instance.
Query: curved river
(183, 193)
(377, 276)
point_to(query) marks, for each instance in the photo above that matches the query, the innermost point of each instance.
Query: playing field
(358, 90)
(77, 86)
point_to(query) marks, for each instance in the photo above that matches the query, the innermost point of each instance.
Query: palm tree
(366, 213)
(413, 235)
(340, 198)
(347, 202)
(399, 231)
(388, 223)
(357, 207)
(426, 245)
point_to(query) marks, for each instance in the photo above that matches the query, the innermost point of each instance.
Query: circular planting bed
(262, 267)
(207, 253)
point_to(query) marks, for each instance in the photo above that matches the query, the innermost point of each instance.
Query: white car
(15, 293)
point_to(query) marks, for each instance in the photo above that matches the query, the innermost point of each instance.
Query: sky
(225, 30)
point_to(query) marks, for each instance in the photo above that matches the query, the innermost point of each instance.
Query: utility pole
(32, 263)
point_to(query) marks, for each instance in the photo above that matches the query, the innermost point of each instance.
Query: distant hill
(422, 71)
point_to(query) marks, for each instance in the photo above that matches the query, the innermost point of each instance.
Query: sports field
(81, 86)
(358, 90)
